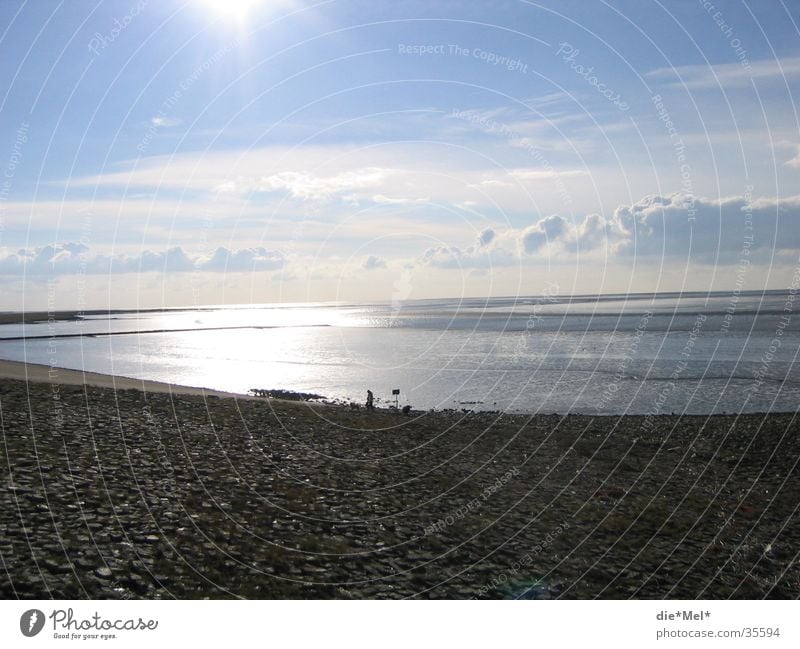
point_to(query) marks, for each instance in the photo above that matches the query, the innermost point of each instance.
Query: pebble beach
(147, 492)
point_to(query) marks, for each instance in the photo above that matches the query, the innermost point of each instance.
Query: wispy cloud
(165, 122)
(728, 75)
(309, 186)
(546, 174)
(795, 161)
(401, 174)
(388, 200)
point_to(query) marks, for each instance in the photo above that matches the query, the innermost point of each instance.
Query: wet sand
(114, 488)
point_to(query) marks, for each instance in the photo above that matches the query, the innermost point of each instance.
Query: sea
(688, 353)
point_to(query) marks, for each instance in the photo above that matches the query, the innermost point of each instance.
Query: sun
(231, 8)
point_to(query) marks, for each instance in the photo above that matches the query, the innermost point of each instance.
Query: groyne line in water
(151, 331)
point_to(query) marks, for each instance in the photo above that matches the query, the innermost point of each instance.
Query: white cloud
(728, 74)
(302, 171)
(679, 225)
(492, 182)
(712, 229)
(546, 174)
(395, 174)
(165, 122)
(75, 258)
(794, 162)
(309, 186)
(484, 252)
(675, 226)
(372, 263)
(284, 276)
(381, 199)
(244, 260)
(173, 260)
(553, 228)
(485, 237)
(550, 99)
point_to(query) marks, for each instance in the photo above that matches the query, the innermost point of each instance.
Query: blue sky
(207, 151)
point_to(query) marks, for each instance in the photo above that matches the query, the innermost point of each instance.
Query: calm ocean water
(635, 354)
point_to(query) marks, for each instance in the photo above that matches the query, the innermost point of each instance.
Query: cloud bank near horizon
(76, 258)
(677, 226)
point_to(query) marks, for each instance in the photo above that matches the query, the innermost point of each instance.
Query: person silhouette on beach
(370, 405)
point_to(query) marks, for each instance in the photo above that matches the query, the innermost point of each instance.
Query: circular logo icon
(31, 622)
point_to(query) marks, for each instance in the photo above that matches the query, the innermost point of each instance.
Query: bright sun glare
(233, 8)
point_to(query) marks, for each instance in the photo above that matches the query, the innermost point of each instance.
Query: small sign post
(396, 393)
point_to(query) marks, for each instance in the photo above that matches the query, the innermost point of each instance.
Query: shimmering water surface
(588, 354)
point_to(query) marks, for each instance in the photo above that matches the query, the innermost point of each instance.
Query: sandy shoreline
(36, 373)
(155, 493)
